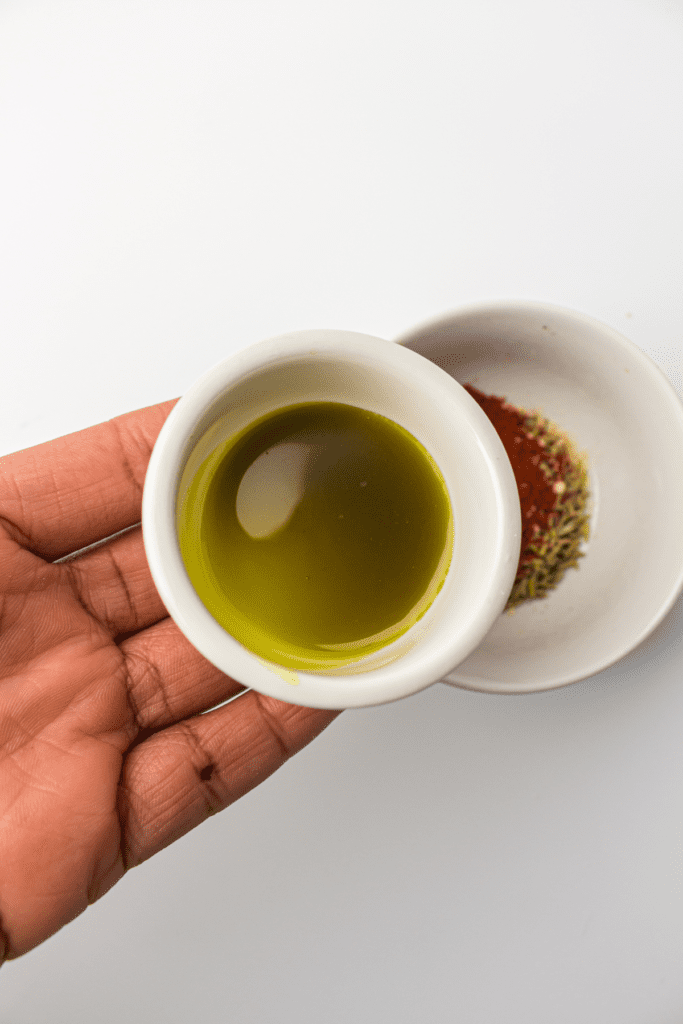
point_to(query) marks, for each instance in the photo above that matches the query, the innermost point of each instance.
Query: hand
(105, 757)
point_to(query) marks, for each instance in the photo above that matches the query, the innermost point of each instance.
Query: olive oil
(317, 535)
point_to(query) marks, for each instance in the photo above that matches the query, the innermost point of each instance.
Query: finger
(168, 679)
(114, 583)
(179, 777)
(65, 494)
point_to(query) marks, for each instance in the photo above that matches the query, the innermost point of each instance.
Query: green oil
(317, 535)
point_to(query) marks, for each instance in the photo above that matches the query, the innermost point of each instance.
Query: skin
(105, 755)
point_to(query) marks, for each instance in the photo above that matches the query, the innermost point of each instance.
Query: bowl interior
(627, 421)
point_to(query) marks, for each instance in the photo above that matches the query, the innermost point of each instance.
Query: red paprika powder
(553, 493)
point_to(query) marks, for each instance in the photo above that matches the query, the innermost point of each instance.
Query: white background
(179, 179)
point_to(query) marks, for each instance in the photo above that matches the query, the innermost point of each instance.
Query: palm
(104, 755)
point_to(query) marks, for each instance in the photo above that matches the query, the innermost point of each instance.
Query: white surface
(477, 568)
(627, 422)
(180, 179)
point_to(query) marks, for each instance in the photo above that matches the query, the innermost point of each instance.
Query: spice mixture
(553, 494)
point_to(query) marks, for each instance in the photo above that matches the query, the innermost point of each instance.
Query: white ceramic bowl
(624, 415)
(385, 378)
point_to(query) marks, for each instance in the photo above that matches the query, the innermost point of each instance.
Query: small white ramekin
(378, 375)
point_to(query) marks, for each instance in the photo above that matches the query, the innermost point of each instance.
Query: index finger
(65, 494)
